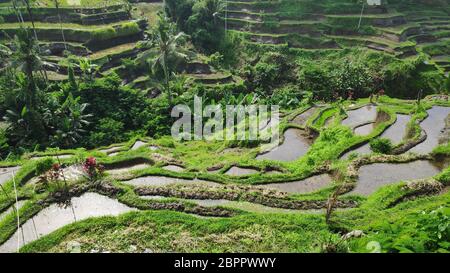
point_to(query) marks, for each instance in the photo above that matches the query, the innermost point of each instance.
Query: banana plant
(88, 69)
(70, 121)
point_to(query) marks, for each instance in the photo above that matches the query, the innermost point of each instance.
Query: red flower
(91, 168)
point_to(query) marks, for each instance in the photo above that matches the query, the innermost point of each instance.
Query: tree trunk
(60, 24)
(30, 14)
(166, 78)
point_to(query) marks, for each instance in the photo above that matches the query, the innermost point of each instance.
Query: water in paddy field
(138, 144)
(6, 173)
(307, 185)
(128, 168)
(396, 131)
(165, 180)
(11, 209)
(56, 216)
(373, 176)
(303, 117)
(210, 202)
(62, 156)
(360, 116)
(363, 150)
(236, 171)
(173, 168)
(112, 150)
(433, 125)
(364, 130)
(295, 145)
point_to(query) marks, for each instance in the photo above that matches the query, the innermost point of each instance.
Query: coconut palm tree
(215, 8)
(4, 51)
(165, 49)
(18, 12)
(30, 14)
(26, 59)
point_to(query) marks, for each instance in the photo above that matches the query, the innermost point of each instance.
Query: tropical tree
(25, 126)
(69, 120)
(205, 24)
(30, 14)
(165, 52)
(88, 69)
(23, 115)
(5, 53)
(17, 11)
(215, 8)
(26, 59)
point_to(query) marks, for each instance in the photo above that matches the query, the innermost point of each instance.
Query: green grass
(44, 25)
(149, 11)
(170, 231)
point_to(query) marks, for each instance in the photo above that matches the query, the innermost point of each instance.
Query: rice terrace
(352, 154)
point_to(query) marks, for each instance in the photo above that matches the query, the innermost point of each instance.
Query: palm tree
(18, 12)
(4, 51)
(25, 58)
(215, 8)
(30, 14)
(166, 43)
(25, 121)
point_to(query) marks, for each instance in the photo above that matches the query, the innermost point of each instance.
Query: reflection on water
(433, 125)
(302, 118)
(397, 131)
(236, 171)
(360, 116)
(307, 185)
(373, 176)
(56, 216)
(295, 145)
(6, 173)
(164, 180)
(364, 130)
(173, 168)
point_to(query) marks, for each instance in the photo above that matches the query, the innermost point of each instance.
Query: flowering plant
(93, 170)
(52, 175)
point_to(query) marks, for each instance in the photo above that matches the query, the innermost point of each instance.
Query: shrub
(286, 96)
(4, 147)
(354, 76)
(215, 60)
(108, 131)
(444, 177)
(381, 145)
(447, 85)
(315, 77)
(43, 165)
